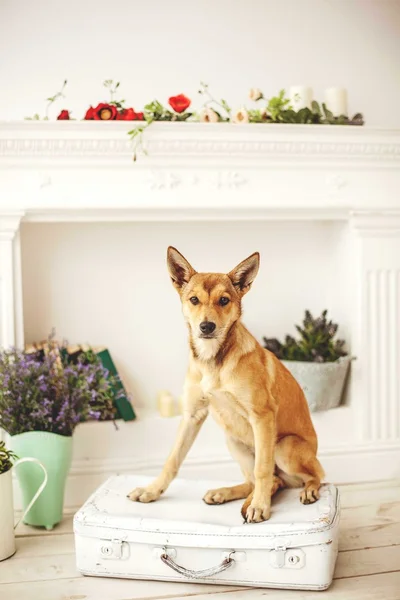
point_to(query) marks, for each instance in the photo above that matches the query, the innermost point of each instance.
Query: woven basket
(322, 383)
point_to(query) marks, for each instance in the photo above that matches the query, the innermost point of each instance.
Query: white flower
(208, 115)
(255, 94)
(241, 116)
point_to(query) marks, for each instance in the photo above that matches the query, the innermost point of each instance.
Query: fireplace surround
(222, 174)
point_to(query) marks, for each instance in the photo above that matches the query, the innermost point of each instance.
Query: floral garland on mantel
(277, 109)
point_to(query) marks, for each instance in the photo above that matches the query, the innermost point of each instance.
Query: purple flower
(36, 394)
(95, 414)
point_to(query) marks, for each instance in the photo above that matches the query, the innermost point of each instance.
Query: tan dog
(251, 394)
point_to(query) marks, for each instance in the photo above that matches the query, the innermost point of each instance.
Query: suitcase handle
(225, 564)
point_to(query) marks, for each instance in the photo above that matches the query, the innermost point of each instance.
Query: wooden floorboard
(96, 588)
(368, 566)
(372, 587)
(367, 562)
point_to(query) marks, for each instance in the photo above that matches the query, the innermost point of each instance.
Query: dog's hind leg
(296, 457)
(226, 494)
(245, 457)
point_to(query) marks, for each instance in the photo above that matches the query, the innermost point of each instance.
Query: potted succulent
(42, 400)
(318, 362)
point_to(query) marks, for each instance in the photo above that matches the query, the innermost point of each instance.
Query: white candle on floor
(336, 101)
(166, 404)
(300, 97)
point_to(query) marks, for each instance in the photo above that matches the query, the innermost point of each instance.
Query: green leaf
(316, 108)
(358, 119)
(276, 105)
(226, 106)
(305, 115)
(327, 112)
(256, 116)
(183, 116)
(289, 116)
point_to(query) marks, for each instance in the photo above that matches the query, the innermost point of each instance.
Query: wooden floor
(368, 566)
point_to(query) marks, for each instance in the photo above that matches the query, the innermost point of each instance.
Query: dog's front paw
(217, 496)
(143, 495)
(256, 513)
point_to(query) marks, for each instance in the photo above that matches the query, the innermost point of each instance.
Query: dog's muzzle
(207, 328)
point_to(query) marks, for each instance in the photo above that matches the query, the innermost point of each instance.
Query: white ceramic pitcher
(7, 526)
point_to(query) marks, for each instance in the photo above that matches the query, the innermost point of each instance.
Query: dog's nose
(207, 327)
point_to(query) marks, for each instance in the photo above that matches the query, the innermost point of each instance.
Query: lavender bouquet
(43, 394)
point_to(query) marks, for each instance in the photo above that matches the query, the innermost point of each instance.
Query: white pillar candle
(300, 97)
(336, 101)
(166, 404)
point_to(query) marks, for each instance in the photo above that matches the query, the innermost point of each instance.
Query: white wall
(160, 49)
(108, 284)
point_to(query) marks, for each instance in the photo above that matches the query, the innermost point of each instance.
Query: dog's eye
(223, 301)
(194, 300)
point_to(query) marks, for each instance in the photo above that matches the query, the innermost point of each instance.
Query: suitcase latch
(277, 557)
(114, 549)
(288, 558)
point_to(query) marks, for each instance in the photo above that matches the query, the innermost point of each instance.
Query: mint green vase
(55, 453)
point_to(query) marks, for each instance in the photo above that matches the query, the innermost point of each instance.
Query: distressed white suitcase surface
(180, 538)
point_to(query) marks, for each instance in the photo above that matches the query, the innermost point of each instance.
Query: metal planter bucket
(322, 383)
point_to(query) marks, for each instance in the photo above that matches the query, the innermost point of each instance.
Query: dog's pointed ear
(245, 273)
(179, 268)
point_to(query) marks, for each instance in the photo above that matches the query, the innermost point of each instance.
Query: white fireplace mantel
(83, 172)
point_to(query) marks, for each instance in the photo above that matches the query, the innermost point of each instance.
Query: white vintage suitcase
(180, 538)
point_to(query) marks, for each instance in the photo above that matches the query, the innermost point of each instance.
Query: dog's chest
(210, 383)
(226, 409)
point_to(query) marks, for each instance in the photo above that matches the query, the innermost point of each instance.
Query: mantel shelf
(32, 142)
(83, 171)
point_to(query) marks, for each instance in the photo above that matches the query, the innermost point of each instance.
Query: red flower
(129, 114)
(126, 114)
(105, 112)
(63, 116)
(89, 114)
(179, 103)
